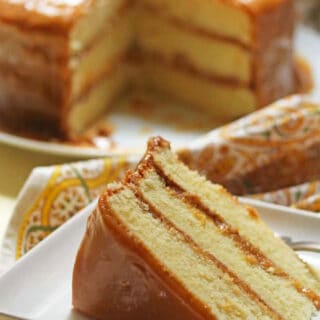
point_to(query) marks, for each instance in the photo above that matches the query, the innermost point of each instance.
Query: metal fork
(308, 246)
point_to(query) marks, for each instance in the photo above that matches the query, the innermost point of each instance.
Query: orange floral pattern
(69, 189)
(304, 197)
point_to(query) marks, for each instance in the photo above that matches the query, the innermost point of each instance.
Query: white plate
(131, 130)
(39, 285)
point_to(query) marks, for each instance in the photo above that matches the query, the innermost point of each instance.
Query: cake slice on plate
(165, 243)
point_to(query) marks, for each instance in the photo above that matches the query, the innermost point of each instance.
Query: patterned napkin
(274, 148)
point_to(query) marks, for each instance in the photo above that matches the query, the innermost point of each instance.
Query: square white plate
(39, 285)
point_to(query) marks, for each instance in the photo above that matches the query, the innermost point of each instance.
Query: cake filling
(161, 242)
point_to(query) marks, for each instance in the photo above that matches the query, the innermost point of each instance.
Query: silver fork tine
(308, 246)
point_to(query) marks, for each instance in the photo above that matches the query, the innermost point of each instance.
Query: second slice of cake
(166, 243)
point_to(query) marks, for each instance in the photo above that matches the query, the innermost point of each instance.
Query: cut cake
(165, 243)
(64, 62)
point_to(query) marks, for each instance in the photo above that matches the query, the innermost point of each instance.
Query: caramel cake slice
(167, 243)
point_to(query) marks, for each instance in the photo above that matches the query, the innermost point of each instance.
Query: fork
(308, 246)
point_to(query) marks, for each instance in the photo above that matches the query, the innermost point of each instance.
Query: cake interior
(141, 46)
(204, 280)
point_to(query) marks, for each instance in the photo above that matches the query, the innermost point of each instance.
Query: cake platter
(141, 116)
(40, 296)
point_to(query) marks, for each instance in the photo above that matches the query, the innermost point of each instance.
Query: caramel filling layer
(243, 285)
(257, 256)
(130, 223)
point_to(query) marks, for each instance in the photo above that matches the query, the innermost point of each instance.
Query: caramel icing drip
(254, 254)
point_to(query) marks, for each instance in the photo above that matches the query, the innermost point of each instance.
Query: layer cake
(64, 62)
(165, 243)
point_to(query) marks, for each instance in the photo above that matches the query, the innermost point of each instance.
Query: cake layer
(279, 294)
(207, 279)
(221, 99)
(93, 19)
(86, 109)
(215, 199)
(178, 43)
(221, 18)
(115, 41)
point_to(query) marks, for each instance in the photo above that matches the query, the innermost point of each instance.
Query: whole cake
(165, 243)
(64, 62)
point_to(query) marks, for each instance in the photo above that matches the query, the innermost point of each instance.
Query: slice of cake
(63, 63)
(165, 243)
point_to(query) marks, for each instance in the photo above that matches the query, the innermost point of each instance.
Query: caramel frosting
(52, 15)
(56, 14)
(256, 6)
(110, 267)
